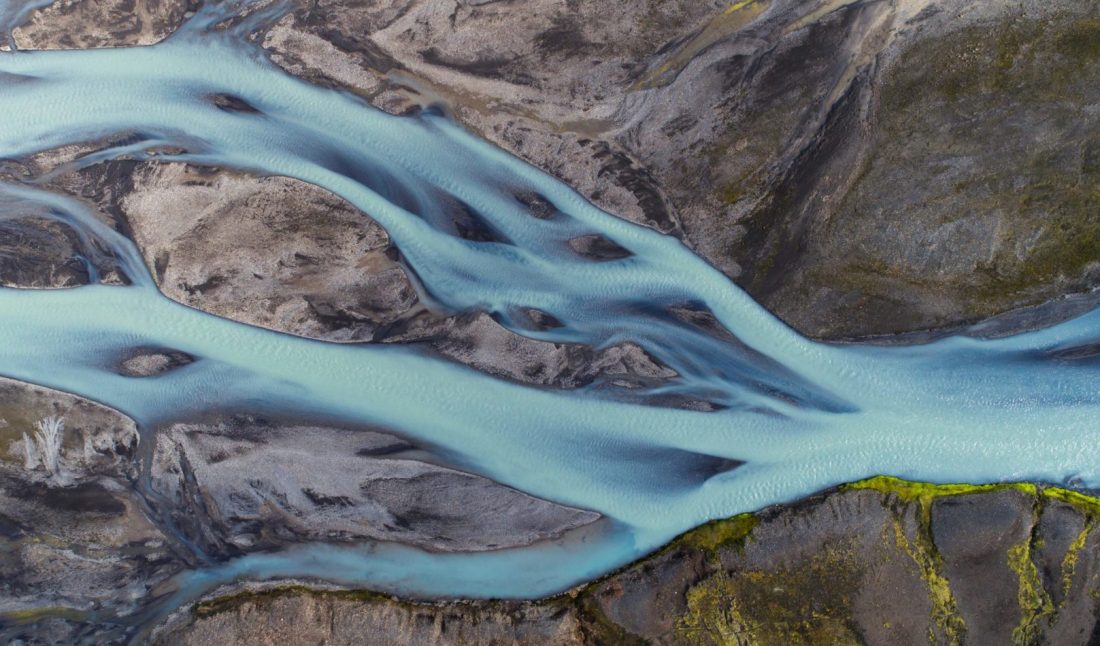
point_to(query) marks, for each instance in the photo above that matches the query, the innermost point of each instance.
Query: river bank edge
(812, 571)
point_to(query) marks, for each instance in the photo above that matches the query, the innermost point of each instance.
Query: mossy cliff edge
(882, 561)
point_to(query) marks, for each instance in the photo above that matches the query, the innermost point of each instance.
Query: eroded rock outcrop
(269, 251)
(861, 168)
(974, 191)
(76, 24)
(87, 545)
(879, 562)
(246, 485)
(39, 253)
(75, 538)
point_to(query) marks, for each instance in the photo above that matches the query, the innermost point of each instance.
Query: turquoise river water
(793, 416)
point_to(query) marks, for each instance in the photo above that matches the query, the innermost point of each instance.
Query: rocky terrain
(40, 253)
(285, 255)
(75, 538)
(75, 24)
(879, 562)
(248, 485)
(84, 540)
(862, 168)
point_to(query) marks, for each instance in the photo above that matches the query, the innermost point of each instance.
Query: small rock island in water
(549, 322)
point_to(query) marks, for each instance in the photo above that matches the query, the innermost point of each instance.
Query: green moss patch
(809, 600)
(924, 492)
(1087, 505)
(727, 532)
(807, 604)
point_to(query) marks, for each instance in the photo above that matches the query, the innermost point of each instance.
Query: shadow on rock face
(83, 498)
(37, 252)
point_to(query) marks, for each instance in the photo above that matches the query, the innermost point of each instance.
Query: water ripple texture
(788, 416)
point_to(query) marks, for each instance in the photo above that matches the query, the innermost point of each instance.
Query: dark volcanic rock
(980, 537)
(972, 193)
(884, 562)
(36, 252)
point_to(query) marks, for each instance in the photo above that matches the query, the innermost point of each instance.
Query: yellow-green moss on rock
(721, 533)
(924, 492)
(708, 586)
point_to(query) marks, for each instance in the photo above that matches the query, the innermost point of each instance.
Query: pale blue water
(801, 416)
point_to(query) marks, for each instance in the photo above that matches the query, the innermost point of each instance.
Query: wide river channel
(791, 416)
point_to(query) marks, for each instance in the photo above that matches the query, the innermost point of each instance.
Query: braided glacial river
(794, 416)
